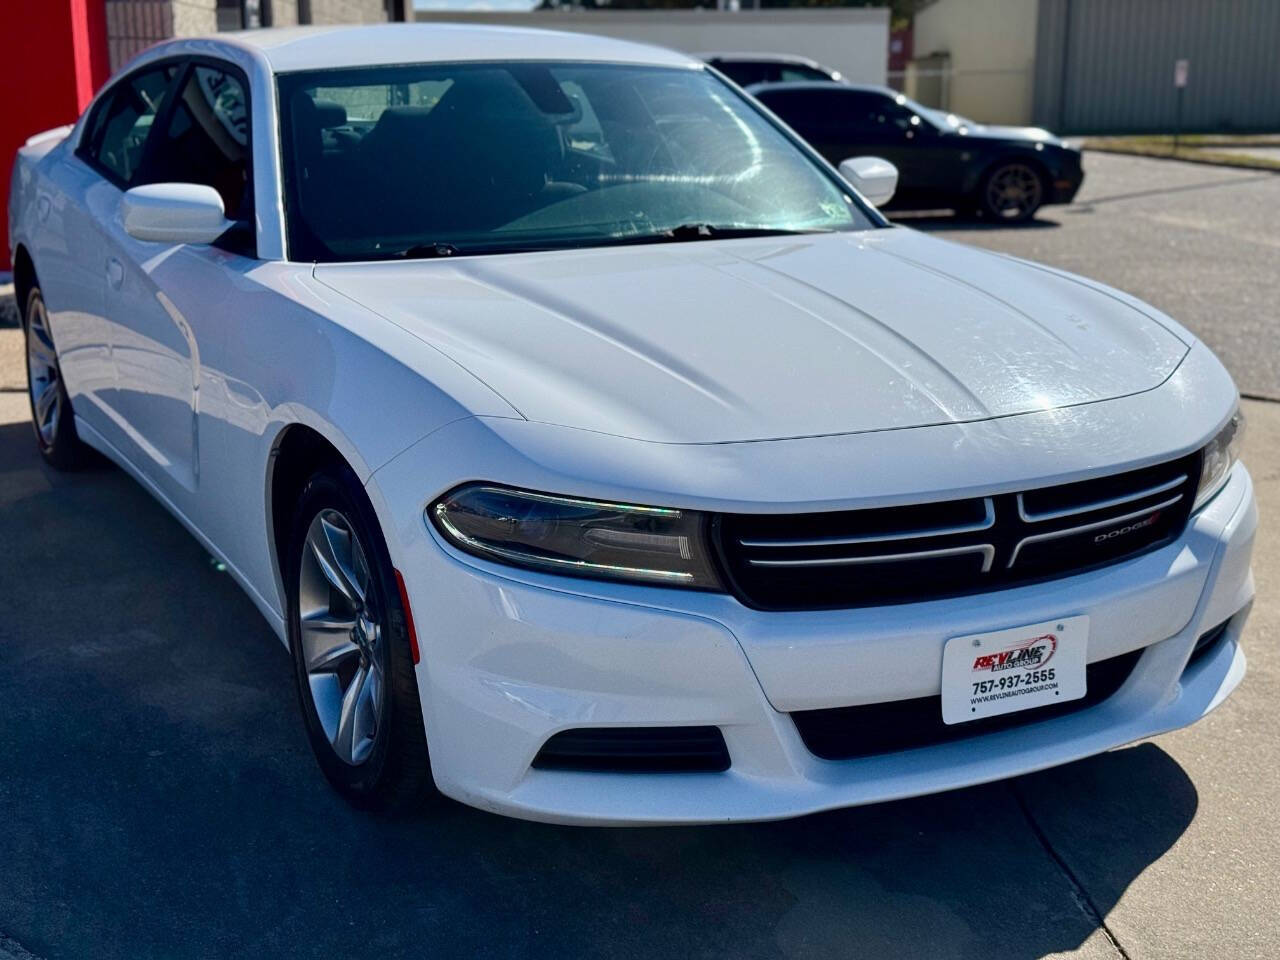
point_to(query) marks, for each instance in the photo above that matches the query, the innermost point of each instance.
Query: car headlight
(1219, 457)
(585, 538)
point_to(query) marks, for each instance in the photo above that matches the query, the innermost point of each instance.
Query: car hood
(721, 341)
(1029, 134)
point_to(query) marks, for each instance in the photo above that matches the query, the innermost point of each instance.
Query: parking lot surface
(159, 799)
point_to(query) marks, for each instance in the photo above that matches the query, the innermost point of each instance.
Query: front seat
(484, 152)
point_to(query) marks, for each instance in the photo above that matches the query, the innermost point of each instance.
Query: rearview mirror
(872, 177)
(174, 213)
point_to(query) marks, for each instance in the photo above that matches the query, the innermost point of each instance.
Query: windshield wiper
(430, 251)
(710, 231)
(427, 251)
(683, 232)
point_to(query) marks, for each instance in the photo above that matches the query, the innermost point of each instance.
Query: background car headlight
(1219, 457)
(586, 538)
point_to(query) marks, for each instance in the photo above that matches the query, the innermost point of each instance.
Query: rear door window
(121, 124)
(877, 115)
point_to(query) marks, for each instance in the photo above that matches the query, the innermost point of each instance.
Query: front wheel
(349, 636)
(1011, 193)
(51, 415)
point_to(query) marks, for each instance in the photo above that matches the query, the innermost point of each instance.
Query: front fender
(290, 353)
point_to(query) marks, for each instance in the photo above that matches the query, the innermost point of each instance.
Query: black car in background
(1006, 173)
(744, 69)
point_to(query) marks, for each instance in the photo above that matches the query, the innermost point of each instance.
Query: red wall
(53, 56)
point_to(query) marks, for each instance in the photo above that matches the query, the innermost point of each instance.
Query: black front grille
(636, 750)
(843, 733)
(856, 558)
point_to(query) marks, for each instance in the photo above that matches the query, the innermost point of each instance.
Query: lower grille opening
(636, 750)
(843, 733)
(1207, 642)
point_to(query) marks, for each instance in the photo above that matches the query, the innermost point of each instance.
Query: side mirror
(872, 177)
(174, 213)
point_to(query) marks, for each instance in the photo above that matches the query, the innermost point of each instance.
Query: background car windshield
(511, 156)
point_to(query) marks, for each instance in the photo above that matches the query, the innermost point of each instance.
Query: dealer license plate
(988, 674)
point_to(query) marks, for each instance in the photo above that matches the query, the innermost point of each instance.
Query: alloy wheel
(1014, 192)
(44, 380)
(341, 637)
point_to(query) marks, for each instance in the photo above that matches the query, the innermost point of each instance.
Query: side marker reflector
(408, 617)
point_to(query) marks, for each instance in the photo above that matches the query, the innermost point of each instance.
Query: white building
(853, 40)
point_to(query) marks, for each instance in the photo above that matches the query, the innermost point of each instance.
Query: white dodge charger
(565, 414)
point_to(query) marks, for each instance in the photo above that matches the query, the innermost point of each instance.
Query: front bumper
(1066, 182)
(510, 658)
(1064, 190)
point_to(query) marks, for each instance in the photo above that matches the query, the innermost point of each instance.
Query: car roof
(288, 49)
(758, 88)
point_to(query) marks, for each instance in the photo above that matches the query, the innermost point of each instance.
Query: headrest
(401, 120)
(330, 114)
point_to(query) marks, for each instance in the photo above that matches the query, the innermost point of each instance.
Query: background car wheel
(350, 643)
(1012, 193)
(51, 416)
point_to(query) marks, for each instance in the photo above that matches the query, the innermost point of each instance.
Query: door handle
(115, 273)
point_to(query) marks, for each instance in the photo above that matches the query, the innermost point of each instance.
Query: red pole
(89, 27)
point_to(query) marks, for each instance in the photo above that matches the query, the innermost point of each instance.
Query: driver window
(206, 139)
(903, 118)
(873, 117)
(889, 115)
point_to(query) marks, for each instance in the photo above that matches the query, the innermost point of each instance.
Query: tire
(1011, 192)
(52, 419)
(355, 675)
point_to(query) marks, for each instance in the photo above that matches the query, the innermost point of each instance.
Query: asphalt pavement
(158, 798)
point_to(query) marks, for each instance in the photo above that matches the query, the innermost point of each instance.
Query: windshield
(443, 159)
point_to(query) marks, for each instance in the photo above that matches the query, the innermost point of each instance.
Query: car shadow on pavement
(1167, 190)
(8, 306)
(158, 799)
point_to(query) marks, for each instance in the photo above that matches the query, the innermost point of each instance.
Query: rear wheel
(349, 636)
(51, 415)
(1012, 193)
